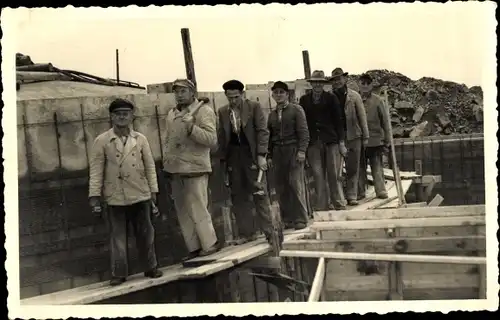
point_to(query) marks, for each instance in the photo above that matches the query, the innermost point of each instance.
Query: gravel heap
(428, 106)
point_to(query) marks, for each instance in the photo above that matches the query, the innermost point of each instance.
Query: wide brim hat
(317, 76)
(338, 72)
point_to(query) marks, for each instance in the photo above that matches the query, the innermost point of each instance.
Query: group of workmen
(323, 129)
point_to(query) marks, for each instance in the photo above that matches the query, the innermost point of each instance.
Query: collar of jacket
(113, 135)
(284, 105)
(187, 109)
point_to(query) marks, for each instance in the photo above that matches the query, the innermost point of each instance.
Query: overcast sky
(257, 44)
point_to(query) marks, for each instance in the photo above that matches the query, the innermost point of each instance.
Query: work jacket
(378, 121)
(123, 175)
(290, 129)
(356, 123)
(186, 152)
(254, 125)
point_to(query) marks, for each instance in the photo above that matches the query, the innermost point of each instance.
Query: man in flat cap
(379, 140)
(191, 135)
(326, 147)
(289, 139)
(243, 145)
(122, 171)
(356, 131)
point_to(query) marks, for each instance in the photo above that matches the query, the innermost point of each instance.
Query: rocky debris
(428, 106)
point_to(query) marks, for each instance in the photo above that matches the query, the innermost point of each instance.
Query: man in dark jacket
(289, 138)
(378, 127)
(243, 140)
(325, 122)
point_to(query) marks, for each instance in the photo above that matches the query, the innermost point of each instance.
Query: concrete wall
(62, 245)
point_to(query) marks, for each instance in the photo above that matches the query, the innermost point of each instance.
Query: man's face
(280, 95)
(235, 98)
(365, 86)
(317, 86)
(338, 82)
(122, 118)
(183, 95)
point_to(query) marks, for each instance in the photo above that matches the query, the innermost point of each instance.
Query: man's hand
(301, 157)
(188, 120)
(342, 149)
(262, 163)
(387, 146)
(269, 162)
(95, 205)
(365, 142)
(154, 197)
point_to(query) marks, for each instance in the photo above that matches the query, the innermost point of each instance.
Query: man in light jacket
(122, 170)
(191, 135)
(243, 145)
(356, 128)
(289, 139)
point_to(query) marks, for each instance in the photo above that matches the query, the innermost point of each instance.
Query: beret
(233, 85)
(120, 104)
(280, 85)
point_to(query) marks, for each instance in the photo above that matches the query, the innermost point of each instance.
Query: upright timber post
(307, 64)
(117, 61)
(188, 55)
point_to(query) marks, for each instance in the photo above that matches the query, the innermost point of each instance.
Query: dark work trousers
(242, 179)
(374, 156)
(362, 178)
(139, 216)
(325, 160)
(352, 166)
(290, 186)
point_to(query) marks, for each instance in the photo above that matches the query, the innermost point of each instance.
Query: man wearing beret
(191, 135)
(325, 121)
(356, 132)
(289, 138)
(243, 145)
(379, 128)
(122, 170)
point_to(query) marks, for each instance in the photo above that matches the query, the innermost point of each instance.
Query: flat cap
(280, 85)
(233, 85)
(186, 83)
(120, 104)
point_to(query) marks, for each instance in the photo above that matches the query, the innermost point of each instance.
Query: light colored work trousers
(374, 156)
(325, 161)
(190, 196)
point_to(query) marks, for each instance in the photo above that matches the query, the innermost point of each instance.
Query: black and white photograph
(237, 160)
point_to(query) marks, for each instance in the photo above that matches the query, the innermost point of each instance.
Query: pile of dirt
(428, 106)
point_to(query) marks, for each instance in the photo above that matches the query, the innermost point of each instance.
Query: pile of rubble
(428, 106)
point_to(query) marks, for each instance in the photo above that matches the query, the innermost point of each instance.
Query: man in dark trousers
(356, 132)
(289, 138)
(122, 170)
(243, 139)
(326, 147)
(378, 126)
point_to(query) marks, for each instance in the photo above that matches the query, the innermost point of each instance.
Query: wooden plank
(399, 213)
(414, 294)
(405, 175)
(400, 223)
(384, 245)
(428, 282)
(415, 205)
(436, 201)
(384, 257)
(319, 279)
(359, 295)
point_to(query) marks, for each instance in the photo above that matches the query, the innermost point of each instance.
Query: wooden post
(117, 66)
(188, 55)
(307, 64)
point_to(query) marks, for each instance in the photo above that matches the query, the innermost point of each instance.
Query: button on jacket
(123, 175)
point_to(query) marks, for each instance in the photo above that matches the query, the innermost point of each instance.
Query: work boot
(213, 249)
(340, 207)
(115, 281)
(300, 226)
(361, 197)
(382, 195)
(352, 202)
(153, 273)
(192, 255)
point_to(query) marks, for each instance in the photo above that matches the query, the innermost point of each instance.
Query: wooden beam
(188, 55)
(384, 257)
(391, 245)
(436, 201)
(399, 223)
(307, 64)
(415, 205)
(399, 213)
(319, 280)
(117, 61)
